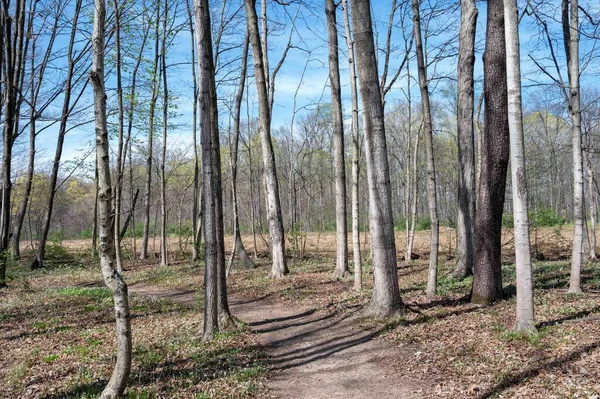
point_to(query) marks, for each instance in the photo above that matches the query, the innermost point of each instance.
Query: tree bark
(153, 99)
(62, 131)
(487, 279)
(571, 40)
(525, 315)
(466, 141)
(274, 214)
(112, 278)
(386, 294)
(237, 236)
(163, 156)
(341, 268)
(428, 126)
(593, 208)
(356, 154)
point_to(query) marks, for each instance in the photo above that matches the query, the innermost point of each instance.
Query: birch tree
(112, 278)
(525, 317)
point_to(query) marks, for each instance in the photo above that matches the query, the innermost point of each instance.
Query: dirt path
(314, 354)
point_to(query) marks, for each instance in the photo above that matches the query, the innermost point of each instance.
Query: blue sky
(310, 33)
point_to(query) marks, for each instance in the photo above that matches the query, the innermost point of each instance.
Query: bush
(547, 217)
(423, 224)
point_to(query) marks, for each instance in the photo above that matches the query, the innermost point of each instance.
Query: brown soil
(315, 354)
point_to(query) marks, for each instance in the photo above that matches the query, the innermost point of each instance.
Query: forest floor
(301, 336)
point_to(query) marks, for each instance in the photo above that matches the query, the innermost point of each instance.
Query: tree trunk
(112, 278)
(341, 268)
(279, 267)
(153, 99)
(428, 126)
(163, 159)
(571, 39)
(237, 236)
(487, 279)
(118, 189)
(62, 131)
(466, 141)
(593, 208)
(386, 294)
(355, 201)
(196, 195)
(525, 316)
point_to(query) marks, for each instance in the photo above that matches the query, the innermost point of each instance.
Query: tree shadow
(579, 315)
(516, 379)
(92, 390)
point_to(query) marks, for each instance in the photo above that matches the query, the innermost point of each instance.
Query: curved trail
(314, 354)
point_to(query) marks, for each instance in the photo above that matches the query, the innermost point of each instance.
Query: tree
(112, 278)
(487, 277)
(274, 214)
(12, 54)
(525, 318)
(428, 131)
(341, 268)
(570, 21)
(73, 59)
(466, 144)
(153, 99)
(238, 244)
(356, 153)
(386, 294)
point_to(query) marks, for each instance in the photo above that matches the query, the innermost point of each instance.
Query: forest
(298, 199)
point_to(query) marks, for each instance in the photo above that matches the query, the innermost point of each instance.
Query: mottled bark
(112, 278)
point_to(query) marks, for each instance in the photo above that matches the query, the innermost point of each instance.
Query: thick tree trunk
(112, 278)
(466, 141)
(487, 280)
(428, 126)
(386, 294)
(571, 39)
(274, 214)
(341, 268)
(525, 316)
(355, 201)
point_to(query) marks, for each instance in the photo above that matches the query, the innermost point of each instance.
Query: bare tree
(154, 97)
(341, 268)
(73, 59)
(525, 317)
(274, 214)
(570, 21)
(386, 294)
(238, 244)
(112, 278)
(428, 127)
(466, 144)
(487, 278)
(356, 153)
